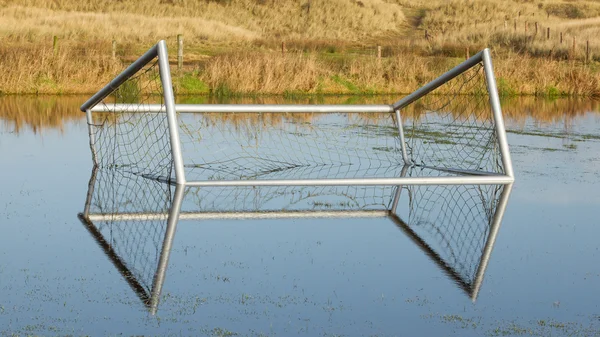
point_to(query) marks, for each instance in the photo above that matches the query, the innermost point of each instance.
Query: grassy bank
(234, 47)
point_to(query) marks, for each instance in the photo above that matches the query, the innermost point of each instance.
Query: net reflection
(133, 219)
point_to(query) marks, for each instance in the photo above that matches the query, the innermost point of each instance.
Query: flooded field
(350, 271)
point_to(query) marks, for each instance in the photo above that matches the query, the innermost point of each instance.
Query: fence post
(561, 37)
(515, 25)
(536, 28)
(573, 49)
(55, 44)
(114, 49)
(467, 54)
(283, 48)
(587, 51)
(548, 33)
(179, 51)
(379, 52)
(505, 24)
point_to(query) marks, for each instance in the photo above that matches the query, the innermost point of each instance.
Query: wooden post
(536, 28)
(573, 49)
(587, 51)
(114, 49)
(548, 33)
(515, 25)
(505, 24)
(467, 54)
(283, 48)
(55, 44)
(379, 52)
(179, 51)
(561, 38)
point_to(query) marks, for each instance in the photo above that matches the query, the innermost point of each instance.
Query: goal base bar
(462, 180)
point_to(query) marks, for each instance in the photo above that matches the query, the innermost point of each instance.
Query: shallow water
(302, 276)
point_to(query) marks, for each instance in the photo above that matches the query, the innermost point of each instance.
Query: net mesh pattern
(134, 140)
(453, 222)
(134, 245)
(289, 145)
(289, 198)
(453, 130)
(444, 129)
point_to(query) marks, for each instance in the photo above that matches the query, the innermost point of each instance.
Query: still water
(338, 276)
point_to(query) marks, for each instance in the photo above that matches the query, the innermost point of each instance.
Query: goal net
(452, 124)
(453, 127)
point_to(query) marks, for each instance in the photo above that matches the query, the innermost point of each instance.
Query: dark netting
(263, 146)
(127, 215)
(134, 140)
(453, 126)
(452, 223)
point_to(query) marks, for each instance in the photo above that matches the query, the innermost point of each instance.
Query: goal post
(159, 54)
(453, 124)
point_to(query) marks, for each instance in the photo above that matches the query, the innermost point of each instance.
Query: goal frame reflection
(105, 211)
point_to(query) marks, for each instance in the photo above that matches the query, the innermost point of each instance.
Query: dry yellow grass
(402, 73)
(512, 25)
(35, 68)
(231, 46)
(233, 21)
(75, 69)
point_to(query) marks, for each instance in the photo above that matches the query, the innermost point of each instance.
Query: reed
(35, 68)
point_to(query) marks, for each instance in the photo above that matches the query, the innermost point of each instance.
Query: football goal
(453, 137)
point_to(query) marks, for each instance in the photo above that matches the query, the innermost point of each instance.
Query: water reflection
(39, 113)
(134, 219)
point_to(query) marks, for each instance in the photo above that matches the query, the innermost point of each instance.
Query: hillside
(334, 40)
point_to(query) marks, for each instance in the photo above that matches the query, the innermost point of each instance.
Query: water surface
(302, 276)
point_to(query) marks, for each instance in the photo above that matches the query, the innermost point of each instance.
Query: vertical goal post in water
(480, 139)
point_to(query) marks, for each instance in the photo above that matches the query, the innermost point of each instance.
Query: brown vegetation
(234, 46)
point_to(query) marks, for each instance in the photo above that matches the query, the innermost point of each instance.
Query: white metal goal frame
(159, 51)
